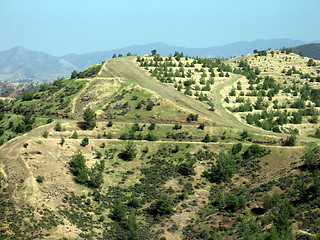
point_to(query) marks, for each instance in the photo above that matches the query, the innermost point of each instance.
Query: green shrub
(58, 127)
(253, 151)
(84, 142)
(129, 153)
(40, 179)
(74, 135)
(45, 134)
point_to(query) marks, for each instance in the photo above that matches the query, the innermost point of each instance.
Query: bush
(290, 141)
(236, 148)
(317, 133)
(58, 127)
(129, 153)
(162, 207)
(40, 179)
(186, 169)
(192, 117)
(109, 124)
(223, 170)
(89, 118)
(253, 151)
(74, 135)
(206, 138)
(177, 126)
(45, 134)
(312, 159)
(201, 126)
(50, 120)
(244, 134)
(84, 142)
(151, 137)
(150, 106)
(152, 126)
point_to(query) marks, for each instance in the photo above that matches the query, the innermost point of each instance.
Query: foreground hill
(148, 148)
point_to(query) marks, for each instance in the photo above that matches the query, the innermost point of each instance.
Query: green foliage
(206, 138)
(74, 135)
(90, 177)
(154, 52)
(244, 134)
(253, 151)
(236, 148)
(150, 106)
(74, 74)
(84, 142)
(40, 179)
(109, 124)
(89, 117)
(163, 207)
(130, 152)
(152, 126)
(317, 133)
(223, 169)
(152, 137)
(27, 96)
(290, 141)
(312, 159)
(58, 127)
(186, 169)
(311, 63)
(135, 127)
(78, 168)
(192, 117)
(45, 134)
(177, 126)
(118, 211)
(232, 92)
(89, 72)
(62, 141)
(201, 126)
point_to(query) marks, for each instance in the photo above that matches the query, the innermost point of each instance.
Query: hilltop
(155, 147)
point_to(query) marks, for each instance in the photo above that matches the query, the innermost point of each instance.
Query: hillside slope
(20, 64)
(308, 50)
(145, 148)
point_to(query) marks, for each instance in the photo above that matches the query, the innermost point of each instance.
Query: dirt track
(10, 157)
(127, 68)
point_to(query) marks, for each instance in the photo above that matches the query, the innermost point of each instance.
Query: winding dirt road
(127, 68)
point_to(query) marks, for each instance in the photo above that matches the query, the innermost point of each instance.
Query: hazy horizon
(63, 27)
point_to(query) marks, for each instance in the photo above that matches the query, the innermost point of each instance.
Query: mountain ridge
(21, 64)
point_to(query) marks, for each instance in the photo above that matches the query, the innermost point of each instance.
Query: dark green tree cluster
(162, 207)
(89, 72)
(91, 177)
(89, 117)
(130, 152)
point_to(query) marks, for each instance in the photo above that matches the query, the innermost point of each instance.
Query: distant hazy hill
(19, 64)
(23, 64)
(309, 50)
(226, 51)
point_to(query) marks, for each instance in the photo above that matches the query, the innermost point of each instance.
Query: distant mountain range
(20, 64)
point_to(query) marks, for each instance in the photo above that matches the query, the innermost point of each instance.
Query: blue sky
(59, 27)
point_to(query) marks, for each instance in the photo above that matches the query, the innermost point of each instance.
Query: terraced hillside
(146, 148)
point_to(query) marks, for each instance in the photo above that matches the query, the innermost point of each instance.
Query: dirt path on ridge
(127, 68)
